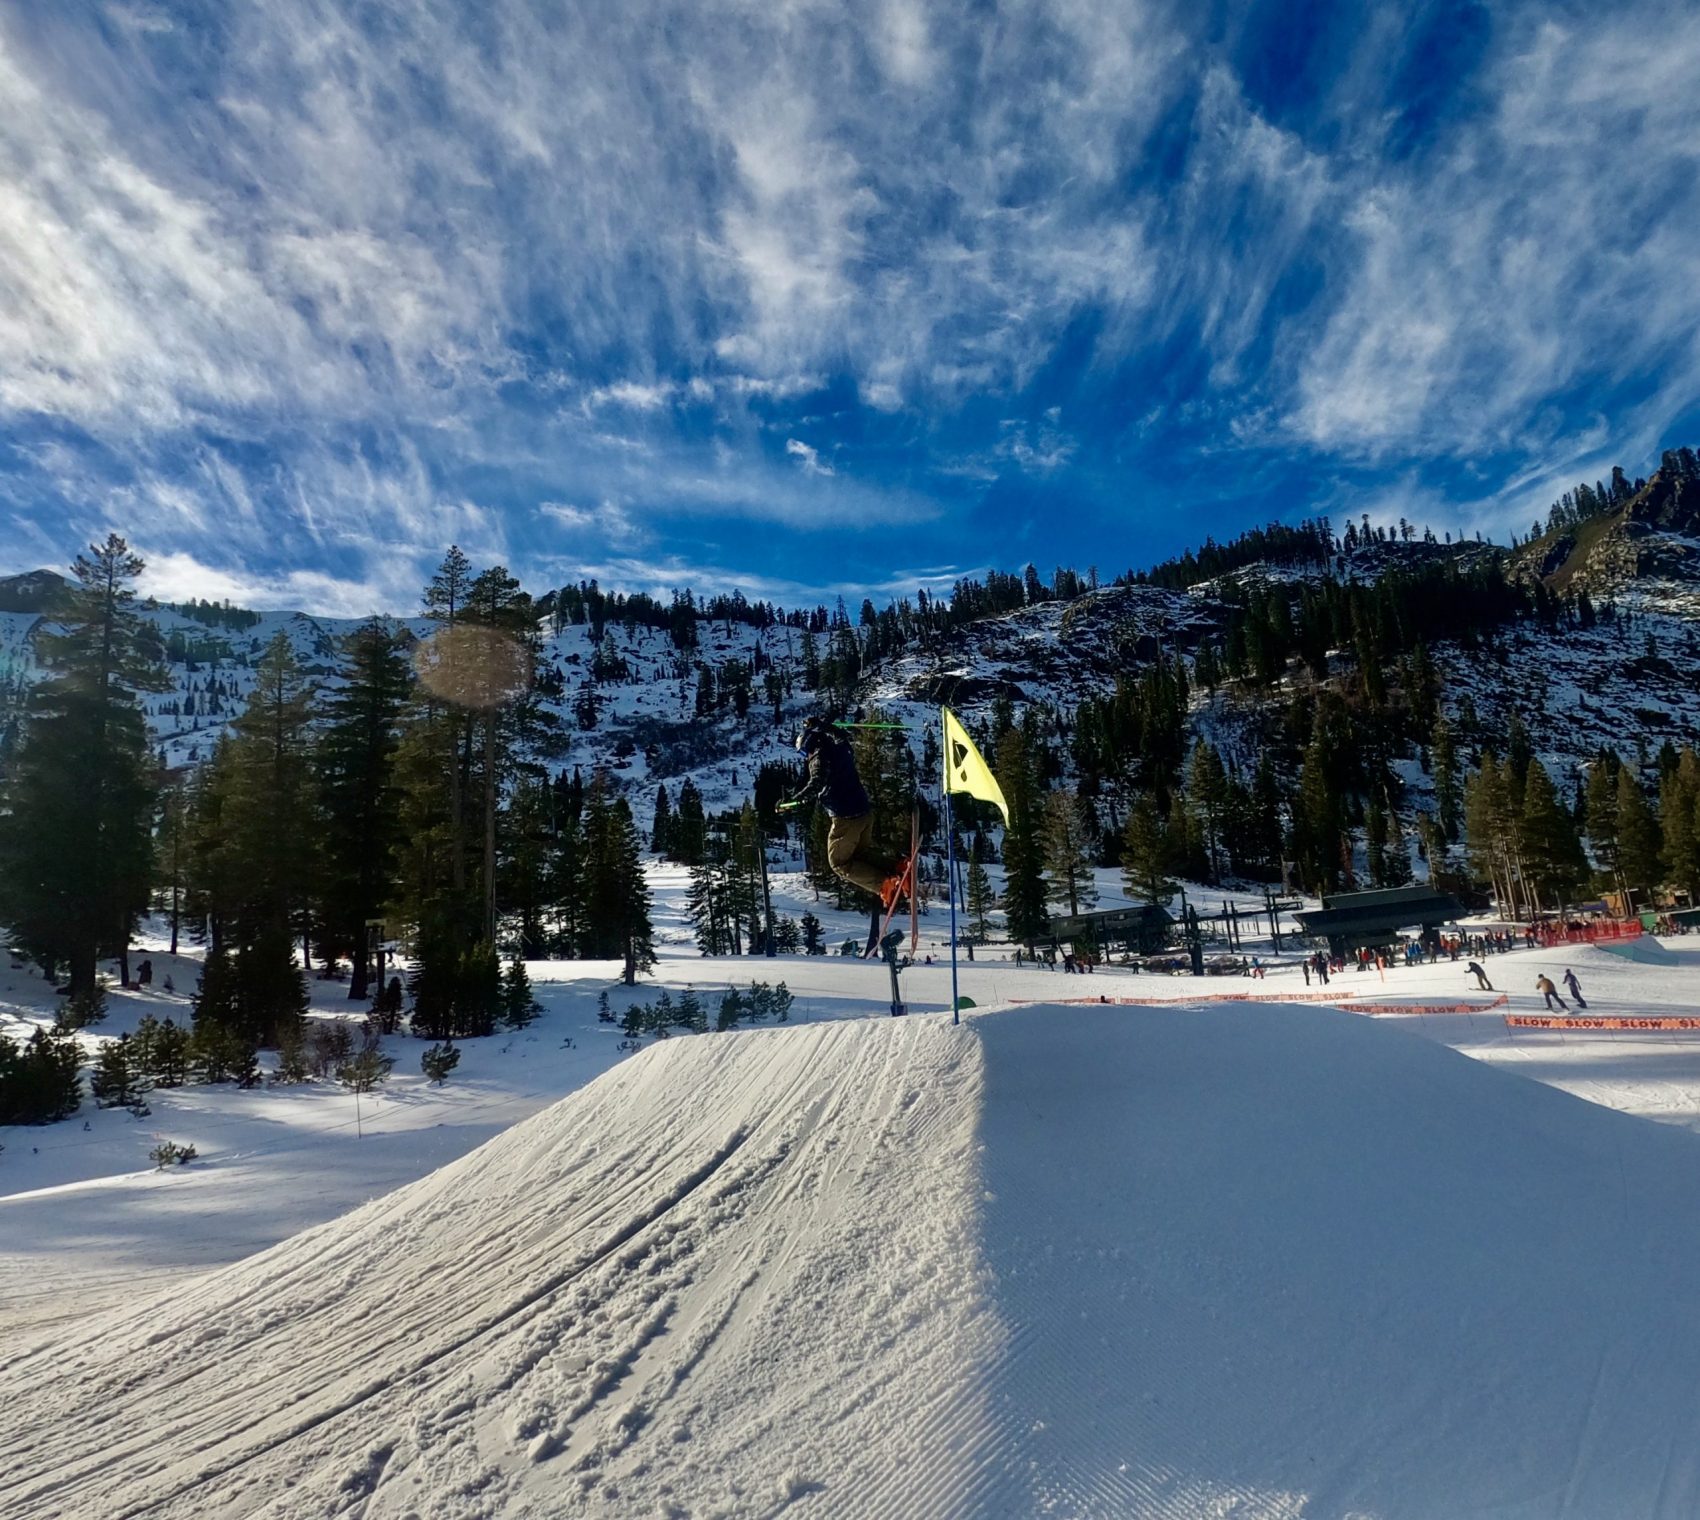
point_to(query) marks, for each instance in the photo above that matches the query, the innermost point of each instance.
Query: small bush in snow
(170, 1153)
(365, 1072)
(82, 1009)
(292, 1053)
(439, 1061)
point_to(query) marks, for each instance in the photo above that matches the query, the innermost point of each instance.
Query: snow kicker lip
(1309, 999)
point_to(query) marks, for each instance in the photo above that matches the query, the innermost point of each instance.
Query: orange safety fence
(1498, 1002)
(1586, 933)
(1548, 1021)
(1177, 1002)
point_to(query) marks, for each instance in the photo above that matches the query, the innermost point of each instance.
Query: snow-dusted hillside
(1252, 1260)
(1633, 678)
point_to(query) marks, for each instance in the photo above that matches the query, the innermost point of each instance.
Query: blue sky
(814, 298)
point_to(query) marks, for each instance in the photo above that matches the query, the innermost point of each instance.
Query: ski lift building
(1350, 919)
(1139, 928)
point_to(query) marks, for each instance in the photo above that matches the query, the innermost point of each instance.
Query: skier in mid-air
(832, 777)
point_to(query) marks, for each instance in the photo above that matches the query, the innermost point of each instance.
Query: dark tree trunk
(360, 979)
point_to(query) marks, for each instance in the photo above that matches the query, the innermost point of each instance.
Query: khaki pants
(847, 843)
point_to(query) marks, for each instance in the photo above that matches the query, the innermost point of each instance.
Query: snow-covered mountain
(629, 701)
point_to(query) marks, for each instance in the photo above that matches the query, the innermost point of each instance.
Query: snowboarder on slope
(1544, 986)
(1575, 987)
(833, 778)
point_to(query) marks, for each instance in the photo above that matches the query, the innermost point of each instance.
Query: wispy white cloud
(666, 573)
(344, 284)
(1534, 250)
(174, 576)
(807, 457)
(608, 522)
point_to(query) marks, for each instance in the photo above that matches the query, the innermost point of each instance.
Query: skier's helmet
(811, 733)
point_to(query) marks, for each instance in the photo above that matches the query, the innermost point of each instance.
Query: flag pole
(950, 879)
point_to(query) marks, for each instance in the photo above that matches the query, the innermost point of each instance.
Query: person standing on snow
(1473, 969)
(1544, 986)
(832, 777)
(1575, 987)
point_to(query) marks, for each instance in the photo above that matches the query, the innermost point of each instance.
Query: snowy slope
(1574, 690)
(1253, 1260)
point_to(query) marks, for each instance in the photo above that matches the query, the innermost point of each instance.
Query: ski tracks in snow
(1081, 1262)
(677, 1293)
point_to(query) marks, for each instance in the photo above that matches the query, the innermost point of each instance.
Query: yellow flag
(964, 770)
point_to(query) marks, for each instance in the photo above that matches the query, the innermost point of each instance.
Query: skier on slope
(832, 777)
(1575, 987)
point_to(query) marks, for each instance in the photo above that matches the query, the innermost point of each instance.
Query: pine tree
(438, 1061)
(1375, 842)
(1263, 827)
(661, 834)
(519, 1003)
(1024, 885)
(1145, 854)
(1637, 835)
(1518, 753)
(1492, 833)
(292, 1053)
(814, 936)
(744, 876)
(1397, 855)
(617, 921)
(500, 615)
(1069, 855)
(1207, 797)
(568, 883)
(704, 907)
(1551, 853)
(479, 1001)
(366, 1071)
(690, 826)
(1679, 822)
(430, 893)
(169, 1055)
(978, 888)
(525, 868)
(116, 1080)
(691, 1014)
(1317, 822)
(171, 855)
(1601, 806)
(356, 772)
(265, 858)
(39, 1080)
(215, 1000)
(434, 986)
(1443, 763)
(76, 861)
(887, 769)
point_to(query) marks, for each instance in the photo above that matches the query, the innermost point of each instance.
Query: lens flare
(474, 667)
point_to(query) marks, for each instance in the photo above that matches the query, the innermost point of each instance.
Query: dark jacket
(833, 778)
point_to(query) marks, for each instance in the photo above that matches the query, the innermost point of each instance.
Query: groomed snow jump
(1245, 1261)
